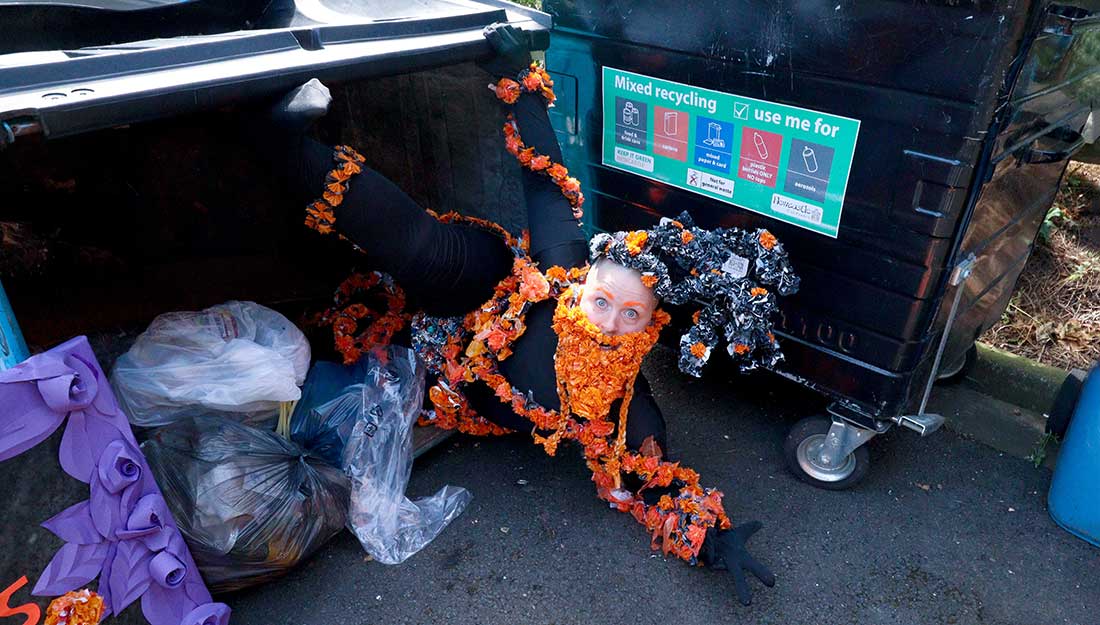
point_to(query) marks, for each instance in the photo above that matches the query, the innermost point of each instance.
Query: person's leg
(445, 269)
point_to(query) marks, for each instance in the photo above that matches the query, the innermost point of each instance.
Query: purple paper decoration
(123, 534)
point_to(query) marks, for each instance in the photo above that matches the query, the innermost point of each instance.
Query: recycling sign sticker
(786, 162)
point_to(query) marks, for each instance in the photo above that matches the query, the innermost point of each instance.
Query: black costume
(448, 269)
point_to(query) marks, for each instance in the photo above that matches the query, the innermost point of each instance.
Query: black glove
(512, 47)
(725, 551)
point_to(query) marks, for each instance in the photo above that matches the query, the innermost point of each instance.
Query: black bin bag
(250, 504)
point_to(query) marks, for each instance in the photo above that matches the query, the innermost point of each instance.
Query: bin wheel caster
(958, 370)
(802, 453)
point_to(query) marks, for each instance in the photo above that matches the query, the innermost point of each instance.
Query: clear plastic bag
(237, 359)
(250, 504)
(378, 458)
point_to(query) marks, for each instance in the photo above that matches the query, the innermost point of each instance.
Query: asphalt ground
(944, 530)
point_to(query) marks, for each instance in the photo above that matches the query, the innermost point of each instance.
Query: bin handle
(1064, 19)
(1071, 140)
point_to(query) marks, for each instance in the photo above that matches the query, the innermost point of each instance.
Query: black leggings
(450, 269)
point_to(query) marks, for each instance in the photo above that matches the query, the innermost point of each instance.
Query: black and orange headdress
(728, 271)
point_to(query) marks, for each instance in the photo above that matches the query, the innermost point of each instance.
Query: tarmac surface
(943, 530)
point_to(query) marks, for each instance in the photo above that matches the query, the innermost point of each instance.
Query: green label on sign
(782, 161)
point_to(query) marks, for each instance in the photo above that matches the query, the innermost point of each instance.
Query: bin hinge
(17, 127)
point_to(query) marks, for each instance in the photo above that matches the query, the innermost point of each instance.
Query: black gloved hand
(512, 47)
(726, 551)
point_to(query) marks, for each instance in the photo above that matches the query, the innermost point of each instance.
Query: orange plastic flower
(344, 326)
(358, 311)
(635, 241)
(347, 153)
(741, 349)
(758, 291)
(767, 240)
(339, 175)
(557, 274)
(507, 90)
(496, 339)
(77, 607)
(532, 81)
(686, 237)
(540, 162)
(534, 286)
(649, 280)
(699, 350)
(513, 145)
(695, 535)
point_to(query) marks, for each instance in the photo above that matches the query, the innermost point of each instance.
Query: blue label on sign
(713, 144)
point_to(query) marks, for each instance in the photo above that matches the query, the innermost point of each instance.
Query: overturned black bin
(905, 153)
(129, 190)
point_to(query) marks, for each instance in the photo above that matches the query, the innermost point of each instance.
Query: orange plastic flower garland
(319, 214)
(346, 317)
(536, 80)
(540, 163)
(77, 607)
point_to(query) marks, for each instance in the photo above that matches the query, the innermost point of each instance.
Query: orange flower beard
(594, 369)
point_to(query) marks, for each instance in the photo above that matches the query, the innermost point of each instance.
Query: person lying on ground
(524, 335)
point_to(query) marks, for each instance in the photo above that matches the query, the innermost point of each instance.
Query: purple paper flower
(147, 522)
(73, 390)
(38, 394)
(207, 614)
(116, 486)
(123, 533)
(119, 466)
(167, 570)
(178, 586)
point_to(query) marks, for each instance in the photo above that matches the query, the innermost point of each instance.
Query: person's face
(616, 301)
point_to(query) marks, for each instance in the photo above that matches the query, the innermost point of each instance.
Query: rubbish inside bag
(331, 402)
(378, 459)
(236, 359)
(250, 504)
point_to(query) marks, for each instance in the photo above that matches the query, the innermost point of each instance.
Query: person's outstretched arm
(556, 236)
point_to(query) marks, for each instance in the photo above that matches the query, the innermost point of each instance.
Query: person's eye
(631, 314)
(601, 303)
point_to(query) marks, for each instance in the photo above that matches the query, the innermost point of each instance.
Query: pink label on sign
(759, 156)
(670, 133)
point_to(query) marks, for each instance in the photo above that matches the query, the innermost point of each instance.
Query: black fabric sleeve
(556, 237)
